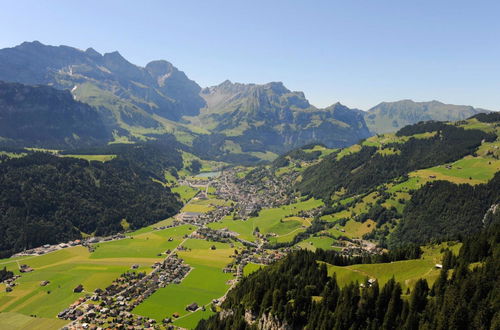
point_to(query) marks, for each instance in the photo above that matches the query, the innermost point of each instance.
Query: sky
(359, 53)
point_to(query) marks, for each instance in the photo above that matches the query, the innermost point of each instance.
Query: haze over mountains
(230, 119)
(391, 116)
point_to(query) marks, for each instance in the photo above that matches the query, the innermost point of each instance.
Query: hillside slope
(429, 181)
(135, 95)
(41, 116)
(391, 116)
(271, 117)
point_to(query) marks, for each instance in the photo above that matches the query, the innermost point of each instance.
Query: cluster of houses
(110, 308)
(253, 255)
(214, 235)
(253, 195)
(10, 283)
(54, 247)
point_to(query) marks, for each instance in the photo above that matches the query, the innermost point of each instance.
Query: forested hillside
(47, 199)
(428, 182)
(42, 116)
(297, 293)
(442, 210)
(366, 169)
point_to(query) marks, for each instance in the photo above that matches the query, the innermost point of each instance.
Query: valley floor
(217, 243)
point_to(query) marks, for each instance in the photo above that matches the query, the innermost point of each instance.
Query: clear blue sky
(357, 52)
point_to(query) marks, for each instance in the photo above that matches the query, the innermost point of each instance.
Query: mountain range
(231, 119)
(391, 116)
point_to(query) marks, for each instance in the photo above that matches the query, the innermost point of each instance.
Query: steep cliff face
(271, 115)
(41, 116)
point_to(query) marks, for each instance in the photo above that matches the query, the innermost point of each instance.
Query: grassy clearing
(344, 275)
(12, 154)
(407, 272)
(243, 228)
(319, 242)
(198, 208)
(98, 158)
(347, 151)
(280, 221)
(145, 245)
(251, 267)
(471, 170)
(185, 192)
(203, 284)
(324, 151)
(16, 321)
(353, 229)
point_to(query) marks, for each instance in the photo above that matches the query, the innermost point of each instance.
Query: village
(113, 306)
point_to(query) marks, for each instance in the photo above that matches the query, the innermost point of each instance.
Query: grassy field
(471, 170)
(205, 282)
(280, 221)
(251, 267)
(99, 158)
(407, 272)
(344, 275)
(185, 192)
(65, 269)
(143, 245)
(320, 242)
(15, 321)
(353, 229)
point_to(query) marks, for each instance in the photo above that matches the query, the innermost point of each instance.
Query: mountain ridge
(390, 116)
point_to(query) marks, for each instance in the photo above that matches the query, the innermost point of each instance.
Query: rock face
(41, 116)
(269, 322)
(135, 94)
(159, 99)
(391, 116)
(271, 117)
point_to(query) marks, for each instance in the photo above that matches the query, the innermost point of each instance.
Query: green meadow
(185, 192)
(99, 158)
(471, 170)
(252, 267)
(145, 245)
(317, 242)
(65, 269)
(205, 282)
(281, 221)
(15, 321)
(407, 272)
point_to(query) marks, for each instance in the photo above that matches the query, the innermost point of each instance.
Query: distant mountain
(391, 116)
(147, 102)
(137, 96)
(271, 117)
(41, 116)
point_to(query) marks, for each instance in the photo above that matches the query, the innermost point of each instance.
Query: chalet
(439, 266)
(191, 308)
(78, 289)
(44, 283)
(25, 269)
